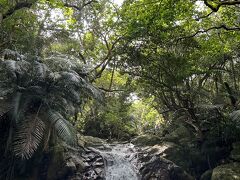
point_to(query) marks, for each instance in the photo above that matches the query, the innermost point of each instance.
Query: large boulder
(146, 140)
(159, 168)
(229, 171)
(90, 141)
(179, 135)
(207, 175)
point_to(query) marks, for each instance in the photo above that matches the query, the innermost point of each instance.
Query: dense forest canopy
(116, 71)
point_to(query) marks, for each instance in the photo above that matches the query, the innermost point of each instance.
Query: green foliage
(37, 98)
(146, 118)
(112, 121)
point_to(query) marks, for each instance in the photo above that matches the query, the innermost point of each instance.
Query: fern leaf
(63, 128)
(94, 92)
(5, 91)
(10, 54)
(41, 70)
(13, 67)
(28, 137)
(235, 116)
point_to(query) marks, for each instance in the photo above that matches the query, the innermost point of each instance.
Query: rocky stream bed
(131, 161)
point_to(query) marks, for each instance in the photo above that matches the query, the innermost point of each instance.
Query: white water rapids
(120, 162)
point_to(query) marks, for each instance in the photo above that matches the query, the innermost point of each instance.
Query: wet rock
(98, 164)
(161, 169)
(146, 140)
(71, 166)
(98, 170)
(229, 171)
(179, 134)
(206, 175)
(91, 141)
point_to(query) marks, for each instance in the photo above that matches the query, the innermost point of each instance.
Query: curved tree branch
(222, 3)
(79, 8)
(223, 26)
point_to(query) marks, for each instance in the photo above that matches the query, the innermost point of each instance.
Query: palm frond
(71, 77)
(61, 62)
(28, 136)
(16, 67)
(4, 91)
(235, 116)
(94, 92)
(10, 54)
(40, 70)
(63, 128)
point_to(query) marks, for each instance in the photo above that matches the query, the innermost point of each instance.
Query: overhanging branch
(223, 3)
(224, 27)
(79, 8)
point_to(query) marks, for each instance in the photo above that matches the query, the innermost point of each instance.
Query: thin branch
(81, 7)
(202, 17)
(105, 61)
(112, 76)
(209, 29)
(111, 90)
(82, 57)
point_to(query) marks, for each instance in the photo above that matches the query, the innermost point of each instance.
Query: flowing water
(120, 162)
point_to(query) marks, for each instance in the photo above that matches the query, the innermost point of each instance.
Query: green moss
(146, 140)
(91, 141)
(229, 171)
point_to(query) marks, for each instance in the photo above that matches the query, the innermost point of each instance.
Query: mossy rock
(90, 141)
(178, 135)
(235, 153)
(229, 171)
(146, 140)
(206, 175)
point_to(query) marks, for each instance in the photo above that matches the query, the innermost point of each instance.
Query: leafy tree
(182, 57)
(146, 118)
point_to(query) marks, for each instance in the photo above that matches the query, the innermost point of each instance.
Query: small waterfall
(120, 162)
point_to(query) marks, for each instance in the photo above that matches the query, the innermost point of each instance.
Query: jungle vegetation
(115, 71)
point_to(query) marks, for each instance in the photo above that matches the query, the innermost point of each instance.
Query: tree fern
(42, 94)
(235, 117)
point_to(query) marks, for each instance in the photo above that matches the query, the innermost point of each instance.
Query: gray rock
(163, 169)
(206, 175)
(70, 165)
(229, 171)
(146, 140)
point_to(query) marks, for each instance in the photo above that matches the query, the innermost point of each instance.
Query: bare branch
(81, 7)
(111, 90)
(106, 60)
(202, 17)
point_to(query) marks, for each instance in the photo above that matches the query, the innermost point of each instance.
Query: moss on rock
(146, 140)
(229, 171)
